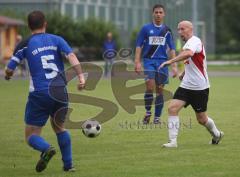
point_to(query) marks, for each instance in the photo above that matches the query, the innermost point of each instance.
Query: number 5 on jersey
(49, 66)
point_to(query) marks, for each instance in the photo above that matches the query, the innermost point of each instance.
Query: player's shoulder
(147, 26)
(166, 28)
(21, 45)
(56, 39)
(54, 36)
(193, 42)
(195, 39)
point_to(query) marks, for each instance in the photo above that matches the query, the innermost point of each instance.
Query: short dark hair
(36, 20)
(158, 6)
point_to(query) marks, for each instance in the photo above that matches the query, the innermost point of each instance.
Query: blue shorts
(41, 105)
(151, 71)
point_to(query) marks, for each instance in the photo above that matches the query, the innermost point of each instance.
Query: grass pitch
(123, 148)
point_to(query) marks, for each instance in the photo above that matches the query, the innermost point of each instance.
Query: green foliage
(227, 26)
(94, 32)
(88, 33)
(65, 27)
(134, 37)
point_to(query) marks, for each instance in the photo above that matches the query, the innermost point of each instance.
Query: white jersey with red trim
(196, 77)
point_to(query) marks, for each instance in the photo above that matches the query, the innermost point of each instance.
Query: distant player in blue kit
(109, 47)
(43, 53)
(155, 44)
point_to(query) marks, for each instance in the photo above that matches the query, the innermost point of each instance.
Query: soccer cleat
(72, 169)
(170, 145)
(156, 121)
(216, 140)
(45, 158)
(146, 119)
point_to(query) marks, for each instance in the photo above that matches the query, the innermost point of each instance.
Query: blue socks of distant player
(64, 142)
(38, 143)
(148, 99)
(158, 106)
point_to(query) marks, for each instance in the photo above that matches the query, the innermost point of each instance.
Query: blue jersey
(109, 45)
(43, 53)
(155, 40)
(109, 49)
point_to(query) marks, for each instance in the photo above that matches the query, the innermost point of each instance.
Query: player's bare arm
(181, 75)
(182, 56)
(172, 54)
(78, 69)
(138, 65)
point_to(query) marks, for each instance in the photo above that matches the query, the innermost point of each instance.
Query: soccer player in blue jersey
(43, 53)
(155, 44)
(109, 46)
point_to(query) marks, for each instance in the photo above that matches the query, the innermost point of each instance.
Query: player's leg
(159, 103)
(207, 122)
(35, 119)
(63, 136)
(180, 100)
(148, 99)
(33, 138)
(161, 78)
(199, 104)
(110, 66)
(106, 68)
(173, 121)
(36, 116)
(149, 72)
(32, 135)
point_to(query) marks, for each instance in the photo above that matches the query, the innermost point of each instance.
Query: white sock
(173, 127)
(211, 127)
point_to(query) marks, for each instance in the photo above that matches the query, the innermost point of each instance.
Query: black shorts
(198, 99)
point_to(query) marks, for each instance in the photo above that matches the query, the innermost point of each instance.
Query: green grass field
(232, 68)
(123, 151)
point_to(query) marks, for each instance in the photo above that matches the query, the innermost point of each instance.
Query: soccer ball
(91, 128)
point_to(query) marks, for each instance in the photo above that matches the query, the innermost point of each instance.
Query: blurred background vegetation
(87, 35)
(227, 27)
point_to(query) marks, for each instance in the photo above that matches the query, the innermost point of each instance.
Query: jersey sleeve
(18, 55)
(64, 47)
(141, 37)
(192, 44)
(170, 40)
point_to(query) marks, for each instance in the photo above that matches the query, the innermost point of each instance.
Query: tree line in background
(227, 26)
(88, 35)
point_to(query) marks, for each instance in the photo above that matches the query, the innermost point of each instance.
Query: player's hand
(174, 71)
(166, 63)
(7, 78)
(8, 74)
(138, 67)
(181, 76)
(81, 83)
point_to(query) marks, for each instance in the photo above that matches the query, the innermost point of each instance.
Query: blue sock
(38, 143)
(148, 99)
(158, 105)
(64, 142)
